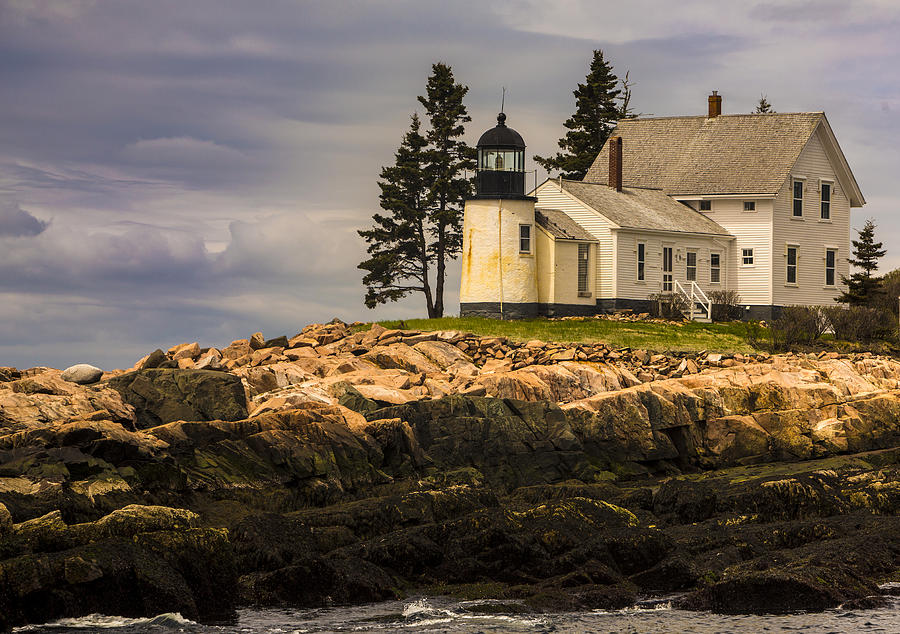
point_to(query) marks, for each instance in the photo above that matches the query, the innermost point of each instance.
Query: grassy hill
(689, 336)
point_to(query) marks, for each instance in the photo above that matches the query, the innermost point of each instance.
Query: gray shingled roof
(640, 208)
(728, 154)
(561, 226)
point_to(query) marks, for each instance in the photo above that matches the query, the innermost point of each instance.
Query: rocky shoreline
(343, 466)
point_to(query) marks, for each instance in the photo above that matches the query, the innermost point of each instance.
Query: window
(747, 255)
(641, 260)
(667, 269)
(826, 201)
(691, 267)
(705, 205)
(583, 255)
(524, 238)
(798, 198)
(792, 265)
(715, 268)
(749, 205)
(830, 260)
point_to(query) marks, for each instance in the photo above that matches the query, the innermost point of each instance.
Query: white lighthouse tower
(498, 251)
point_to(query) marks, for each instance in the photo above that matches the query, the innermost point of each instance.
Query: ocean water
(441, 614)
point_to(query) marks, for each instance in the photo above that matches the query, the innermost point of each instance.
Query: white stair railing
(694, 297)
(702, 299)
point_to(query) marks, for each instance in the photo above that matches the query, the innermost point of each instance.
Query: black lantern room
(501, 163)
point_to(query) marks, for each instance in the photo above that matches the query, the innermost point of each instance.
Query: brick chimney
(615, 162)
(715, 104)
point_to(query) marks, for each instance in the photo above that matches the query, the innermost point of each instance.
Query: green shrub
(753, 333)
(860, 323)
(726, 305)
(668, 306)
(798, 325)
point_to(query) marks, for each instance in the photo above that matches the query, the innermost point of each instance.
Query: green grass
(690, 336)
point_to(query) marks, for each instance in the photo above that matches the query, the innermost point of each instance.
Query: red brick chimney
(615, 162)
(715, 104)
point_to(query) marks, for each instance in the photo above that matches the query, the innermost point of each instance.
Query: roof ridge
(583, 182)
(733, 114)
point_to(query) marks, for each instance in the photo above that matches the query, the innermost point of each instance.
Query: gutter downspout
(500, 251)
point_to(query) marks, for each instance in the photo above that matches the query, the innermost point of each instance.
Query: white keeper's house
(754, 203)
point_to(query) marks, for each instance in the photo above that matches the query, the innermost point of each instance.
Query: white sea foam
(422, 609)
(105, 621)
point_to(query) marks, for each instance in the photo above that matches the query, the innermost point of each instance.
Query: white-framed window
(792, 257)
(584, 254)
(524, 238)
(830, 266)
(667, 269)
(705, 205)
(641, 261)
(749, 205)
(825, 203)
(691, 266)
(747, 257)
(715, 268)
(798, 197)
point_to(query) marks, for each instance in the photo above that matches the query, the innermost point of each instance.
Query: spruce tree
(398, 248)
(423, 192)
(763, 107)
(862, 287)
(596, 112)
(447, 159)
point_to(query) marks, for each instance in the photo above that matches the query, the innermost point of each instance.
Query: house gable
(729, 154)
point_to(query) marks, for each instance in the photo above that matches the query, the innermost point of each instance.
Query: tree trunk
(441, 266)
(426, 285)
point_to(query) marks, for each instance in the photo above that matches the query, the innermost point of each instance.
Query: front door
(667, 269)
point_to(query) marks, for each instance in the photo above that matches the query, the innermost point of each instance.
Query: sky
(178, 171)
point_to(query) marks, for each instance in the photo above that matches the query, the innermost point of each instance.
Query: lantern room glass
(501, 160)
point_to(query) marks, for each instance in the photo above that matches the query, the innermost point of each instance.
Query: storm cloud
(175, 171)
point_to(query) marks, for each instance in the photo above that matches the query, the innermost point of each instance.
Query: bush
(726, 305)
(753, 332)
(860, 323)
(886, 299)
(798, 325)
(668, 306)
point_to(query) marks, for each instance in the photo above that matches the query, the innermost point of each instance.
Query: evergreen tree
(424, 193)
(596, 112)
(397, 245)
(862, 287)
(447, 159)
(763, 107)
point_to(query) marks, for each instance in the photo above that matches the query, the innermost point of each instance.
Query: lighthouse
(498, 250)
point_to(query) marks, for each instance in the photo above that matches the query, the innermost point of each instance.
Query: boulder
(82, 373)
(163, 396)
(257, 341)
(402, 356)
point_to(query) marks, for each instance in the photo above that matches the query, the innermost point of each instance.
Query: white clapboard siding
(629, 287)
(811, 234)
(752, 230)
(550, 196)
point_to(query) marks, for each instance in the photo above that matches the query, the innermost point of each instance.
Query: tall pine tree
(398, 246)
(424, 192)
(763, 107)
(447, 159)
(597, 108)
(862, 287)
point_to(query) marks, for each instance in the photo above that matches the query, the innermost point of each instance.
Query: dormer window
(705, 205)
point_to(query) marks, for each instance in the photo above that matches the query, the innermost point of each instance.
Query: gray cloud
(203, 167)
(15, 221)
